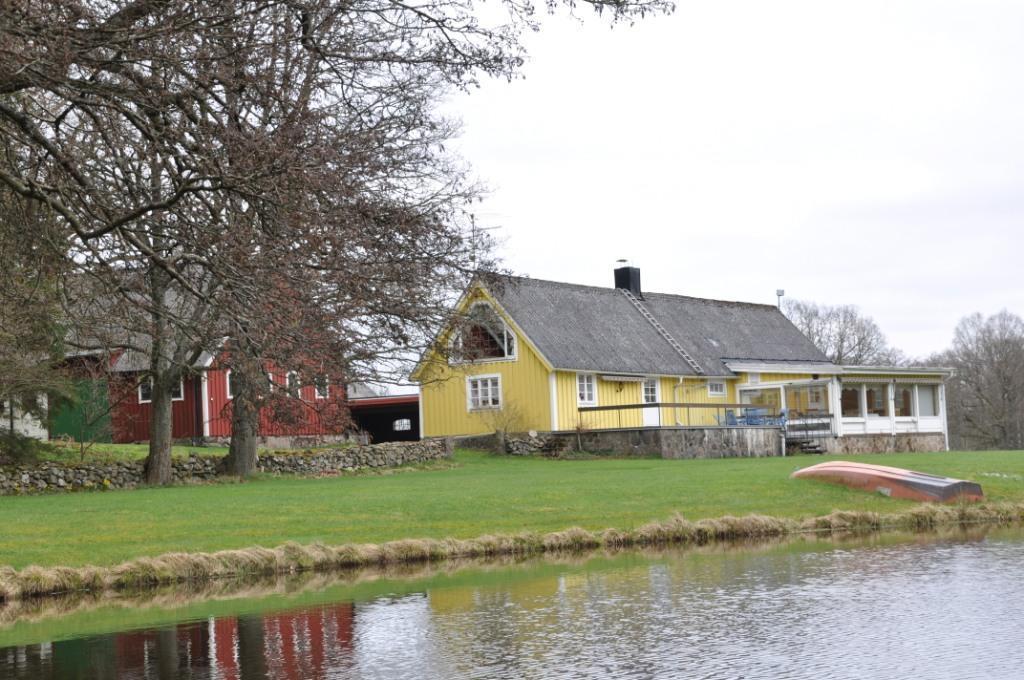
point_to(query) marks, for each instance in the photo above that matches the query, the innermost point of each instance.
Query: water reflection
(937, 608)
(294, 646)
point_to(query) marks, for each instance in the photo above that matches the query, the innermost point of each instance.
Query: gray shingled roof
(587, 328)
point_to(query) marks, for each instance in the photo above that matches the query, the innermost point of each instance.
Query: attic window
(716, 388)
(483, 336)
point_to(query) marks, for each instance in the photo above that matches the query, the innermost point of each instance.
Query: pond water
(888, 607)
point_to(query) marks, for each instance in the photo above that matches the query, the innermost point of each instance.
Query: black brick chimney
(629, 279)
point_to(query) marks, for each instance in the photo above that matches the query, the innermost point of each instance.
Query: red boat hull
(893, 482)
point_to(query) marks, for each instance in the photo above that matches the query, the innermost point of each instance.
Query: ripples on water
(931, 610)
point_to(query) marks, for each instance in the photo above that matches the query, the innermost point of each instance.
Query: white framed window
(292, 383)
(716, 388)
(483, 392)
(483, 336)
(271, 383)
(402, 425)
(586, 389)
(754, 378)
(146, 391)
(322, 387)
(928, 400)
(851, 400)
(230, 384)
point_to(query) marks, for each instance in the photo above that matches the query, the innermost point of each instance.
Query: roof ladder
(663, 331)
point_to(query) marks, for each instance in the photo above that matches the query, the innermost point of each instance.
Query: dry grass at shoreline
(194, 568)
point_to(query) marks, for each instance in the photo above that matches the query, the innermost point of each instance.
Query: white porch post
(917, 411)
(892, 407)
(835, 401)
(942, 412)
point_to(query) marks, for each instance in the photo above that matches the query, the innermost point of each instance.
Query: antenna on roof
(779, 293)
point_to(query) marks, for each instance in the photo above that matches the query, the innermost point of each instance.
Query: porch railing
(681, 414)
(809, 425)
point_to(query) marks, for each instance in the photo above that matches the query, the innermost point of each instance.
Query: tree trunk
(245, 411)
(158, 464)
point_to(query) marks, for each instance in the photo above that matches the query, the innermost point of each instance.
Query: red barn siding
(312, 416)
(130, 419)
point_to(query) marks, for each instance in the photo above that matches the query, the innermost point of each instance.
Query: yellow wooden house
(530, 355)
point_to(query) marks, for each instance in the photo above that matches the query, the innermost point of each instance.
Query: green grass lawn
(482, 494)
(101, 452)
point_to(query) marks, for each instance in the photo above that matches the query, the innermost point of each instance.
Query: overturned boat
(893, 482)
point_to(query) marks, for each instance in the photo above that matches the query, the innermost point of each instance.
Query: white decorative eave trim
(916, 379)
(898, 370)
(609, 377)
(787, 367)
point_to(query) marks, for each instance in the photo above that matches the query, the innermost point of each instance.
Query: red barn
(201, 404)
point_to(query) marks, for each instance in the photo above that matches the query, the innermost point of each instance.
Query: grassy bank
(174, 568)
(482, 495)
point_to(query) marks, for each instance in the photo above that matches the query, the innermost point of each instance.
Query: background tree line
(985, 395)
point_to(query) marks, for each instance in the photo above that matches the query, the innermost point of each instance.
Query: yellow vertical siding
(694, 391)
(608, 394)
(776, 377)
(524, 392)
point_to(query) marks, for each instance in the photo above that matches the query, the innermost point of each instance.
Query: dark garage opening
(388, 419)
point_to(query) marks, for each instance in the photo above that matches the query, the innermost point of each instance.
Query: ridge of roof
(608, 289)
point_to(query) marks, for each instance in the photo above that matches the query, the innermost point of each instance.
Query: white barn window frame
(716, 388)
(483, 393)
(322, 387)
(176, 395)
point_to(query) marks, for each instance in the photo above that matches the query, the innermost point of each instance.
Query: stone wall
(388, 454)
(886, 443)
(666, 442)
(58, 477)
(721, 442)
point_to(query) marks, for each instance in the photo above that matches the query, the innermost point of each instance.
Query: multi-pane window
(483, 336)
(484, 392)
(650, 388)
(904, 400)
(293, 383)
(586, 389)
(851, 401)
(878, 400)
(716, 388)
(402, 425)
(232, 386)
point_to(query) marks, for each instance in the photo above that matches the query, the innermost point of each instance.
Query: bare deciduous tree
(985, 397)
(843, 333)
(191, 149)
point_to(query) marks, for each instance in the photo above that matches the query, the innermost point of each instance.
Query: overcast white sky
(867, 152)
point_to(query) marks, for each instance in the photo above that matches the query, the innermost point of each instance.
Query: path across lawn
(482, 494)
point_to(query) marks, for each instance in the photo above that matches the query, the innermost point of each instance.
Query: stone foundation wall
(886, 443)
(722, 442)
(293, 441)
(59, 477)
(667, 442)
